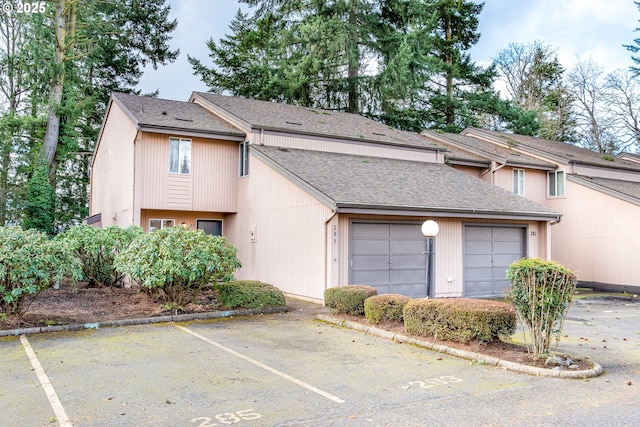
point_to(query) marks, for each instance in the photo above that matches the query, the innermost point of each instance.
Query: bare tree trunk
(450, 112)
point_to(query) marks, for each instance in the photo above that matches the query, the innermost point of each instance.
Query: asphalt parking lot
(290, 370)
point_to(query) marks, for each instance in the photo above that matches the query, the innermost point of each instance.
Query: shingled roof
(254, 114)
(467, 148)
(555, 150)
(358, 182)
(164, 114)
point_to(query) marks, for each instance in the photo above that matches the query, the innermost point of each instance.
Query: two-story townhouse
(598, 196)
(311, 198)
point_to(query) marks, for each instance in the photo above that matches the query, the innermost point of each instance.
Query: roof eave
(202, 133)
(358, 208)
(602, 189)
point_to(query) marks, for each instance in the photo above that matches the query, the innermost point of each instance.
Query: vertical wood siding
(598, 237)
(337, 146)
(111, 190)
(211, 185)
(289, 224)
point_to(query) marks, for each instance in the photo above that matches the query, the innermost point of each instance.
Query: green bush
(248, 294)
(177, 263)
(97, 248)
(30, 263)
(541, 292)
(348, 299)
(379, 308)
(459, 319)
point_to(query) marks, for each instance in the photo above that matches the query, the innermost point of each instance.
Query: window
(180, 156)
(244, 158)
(212, 227)
(518, 182)
(556, 183)
(159, 224)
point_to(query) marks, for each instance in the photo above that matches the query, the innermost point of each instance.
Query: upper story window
(518, 182)
(180, 156)
(244, 158)
(556, 183)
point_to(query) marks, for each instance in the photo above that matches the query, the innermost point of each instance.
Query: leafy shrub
(459, 319)
(248, 294)
(97, 249)
(384, 307)
(30, 262)
(177, 263)
(541, 292)
(348, 299)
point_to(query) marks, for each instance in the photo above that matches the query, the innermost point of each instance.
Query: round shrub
(348, 299)
(177, 263)
(248, 294)
(385, 307)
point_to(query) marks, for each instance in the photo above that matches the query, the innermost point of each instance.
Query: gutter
(493, 170)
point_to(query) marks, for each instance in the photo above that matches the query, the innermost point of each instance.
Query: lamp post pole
(429, 229)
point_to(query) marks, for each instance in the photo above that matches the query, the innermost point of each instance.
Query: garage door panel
(363, 262)
(478, 289)
(370, 231)
(504, 260)
(507, 234)
(475, 247)
(405, 232)
(408, 246)
(473, 274)
(514, 248)
(478, 233)
(412, 290)
(401, 276)
(370, 246)
(409, 261)
(475, 261)
(370, 277)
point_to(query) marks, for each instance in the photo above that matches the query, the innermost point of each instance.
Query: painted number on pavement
(432, 382)
(227, 418)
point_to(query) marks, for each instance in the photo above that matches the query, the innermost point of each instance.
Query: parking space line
(263, 366)
(58, 410)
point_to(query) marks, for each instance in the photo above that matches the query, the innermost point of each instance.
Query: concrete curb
(144, 321)
(482, 359)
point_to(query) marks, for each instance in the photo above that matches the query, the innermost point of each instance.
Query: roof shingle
(381, 183)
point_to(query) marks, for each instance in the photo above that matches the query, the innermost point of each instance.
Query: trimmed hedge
(248, 294)
(459, 319)
(348, 299)
(380, 308)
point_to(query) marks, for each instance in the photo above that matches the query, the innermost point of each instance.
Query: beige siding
(469, 170)
(448, 247)
(181, 217)
(211, 185)
(341, 146)
(598, 237)
(113, 170)
(290, 233)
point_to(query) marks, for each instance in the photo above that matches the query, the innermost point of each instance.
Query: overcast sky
(579, 29)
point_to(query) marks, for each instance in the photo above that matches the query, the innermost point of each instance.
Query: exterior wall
(211, 186)
(181, 217)
(598, 237)
(288, 248)
(448, 247)
(317, 143)
(112, 172)
(605, 173)
(469, 170)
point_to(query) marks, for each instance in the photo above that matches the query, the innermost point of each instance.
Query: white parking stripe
(263, 366)
(58, 410)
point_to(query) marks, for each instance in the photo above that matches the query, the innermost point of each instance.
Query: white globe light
(430, 228)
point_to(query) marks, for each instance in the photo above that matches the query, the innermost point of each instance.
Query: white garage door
(390, 257)
(488, 251)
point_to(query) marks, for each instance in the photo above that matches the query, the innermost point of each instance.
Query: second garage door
(488, 251)
(390, 257)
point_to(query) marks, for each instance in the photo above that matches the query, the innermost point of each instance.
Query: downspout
(327, 243)
(493, 170)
